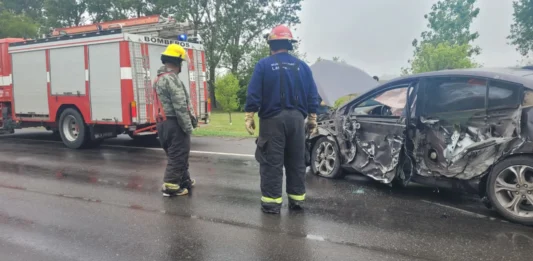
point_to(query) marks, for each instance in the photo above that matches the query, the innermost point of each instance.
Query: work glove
(311, 124)
(194, 121)
(249, 122)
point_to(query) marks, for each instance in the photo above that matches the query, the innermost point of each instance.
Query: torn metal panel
(465, 149)
(349, 129)
(378, 148)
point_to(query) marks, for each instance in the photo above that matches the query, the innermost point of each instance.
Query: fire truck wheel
(72, 128)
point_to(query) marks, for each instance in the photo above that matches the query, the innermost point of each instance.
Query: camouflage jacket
(174, 98)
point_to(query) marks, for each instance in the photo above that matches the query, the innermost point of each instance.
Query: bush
(227, 87)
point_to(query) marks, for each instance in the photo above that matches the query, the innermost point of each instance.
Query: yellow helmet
(175, 50)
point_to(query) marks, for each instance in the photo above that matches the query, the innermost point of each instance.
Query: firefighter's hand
(311, 124)
(249, 122)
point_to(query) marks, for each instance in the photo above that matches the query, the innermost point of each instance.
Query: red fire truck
(94, 84)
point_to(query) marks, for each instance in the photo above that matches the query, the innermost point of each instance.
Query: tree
(227, 87)
(16, 25)
(105, 10)
(522, 29)
(249, 21)
(525, 61)
(259, 50)
(63, 13)
(449, 21)
(23, 15)
(431, 57)
(30, 8)
(449, 24)
(210, 19)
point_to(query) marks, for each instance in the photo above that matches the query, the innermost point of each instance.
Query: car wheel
(510, 189)
(325, 158)
(72, 129)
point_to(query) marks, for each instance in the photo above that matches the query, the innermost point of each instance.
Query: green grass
(219, 126)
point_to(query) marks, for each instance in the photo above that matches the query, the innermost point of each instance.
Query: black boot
(188, 184)
(296, 204)
(270, 208)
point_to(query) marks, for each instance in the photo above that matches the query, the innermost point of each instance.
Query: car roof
(522, 75)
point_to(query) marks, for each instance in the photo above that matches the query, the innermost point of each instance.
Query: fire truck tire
(73, 130)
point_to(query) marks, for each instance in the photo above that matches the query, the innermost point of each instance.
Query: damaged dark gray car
(461, 129)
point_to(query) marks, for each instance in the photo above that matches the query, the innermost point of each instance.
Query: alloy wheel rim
(514, 190)
(325, 158)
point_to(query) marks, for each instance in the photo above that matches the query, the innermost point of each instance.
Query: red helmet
(280, 32)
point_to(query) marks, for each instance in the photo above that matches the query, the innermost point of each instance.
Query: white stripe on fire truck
(86, 75)
(48, 77)
(126, 73)
(6, 80)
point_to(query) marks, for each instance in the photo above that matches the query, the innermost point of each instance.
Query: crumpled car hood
(335, 80)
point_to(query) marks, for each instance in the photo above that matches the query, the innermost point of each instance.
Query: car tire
(505, 190)
(73, 130)
(325, 159)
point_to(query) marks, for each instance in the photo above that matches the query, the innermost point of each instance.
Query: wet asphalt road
(104, 204)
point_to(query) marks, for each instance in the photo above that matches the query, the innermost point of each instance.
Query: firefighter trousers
(281, 142)
(177, 146)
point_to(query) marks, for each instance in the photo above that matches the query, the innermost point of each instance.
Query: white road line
(315, 237)
(156, 149)
(466, 212)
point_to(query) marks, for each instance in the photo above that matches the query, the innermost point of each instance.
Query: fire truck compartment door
(105, 78)
(30, 83)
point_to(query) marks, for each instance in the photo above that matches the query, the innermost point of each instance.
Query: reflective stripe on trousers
(297, 197)
(272, 200)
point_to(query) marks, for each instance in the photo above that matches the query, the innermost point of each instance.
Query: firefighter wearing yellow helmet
(176, 122)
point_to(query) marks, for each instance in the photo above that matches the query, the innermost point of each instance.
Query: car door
(462, 121)
(377, 125)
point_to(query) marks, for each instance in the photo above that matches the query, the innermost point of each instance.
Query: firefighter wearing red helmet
(283, 92)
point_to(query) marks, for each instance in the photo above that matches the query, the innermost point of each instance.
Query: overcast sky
(376, 35)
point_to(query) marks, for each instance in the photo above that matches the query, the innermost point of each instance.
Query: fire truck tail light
(134, 109)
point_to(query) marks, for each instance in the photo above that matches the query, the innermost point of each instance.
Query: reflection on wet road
(104, 204)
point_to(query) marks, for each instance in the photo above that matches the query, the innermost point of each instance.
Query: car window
(455, 94)
(503, 95)
(385, 104)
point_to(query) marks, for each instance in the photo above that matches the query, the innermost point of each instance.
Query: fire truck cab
(94, 85)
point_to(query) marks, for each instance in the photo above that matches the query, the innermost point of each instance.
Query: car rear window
(455, 94)
(463, 94)
(504, 95)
